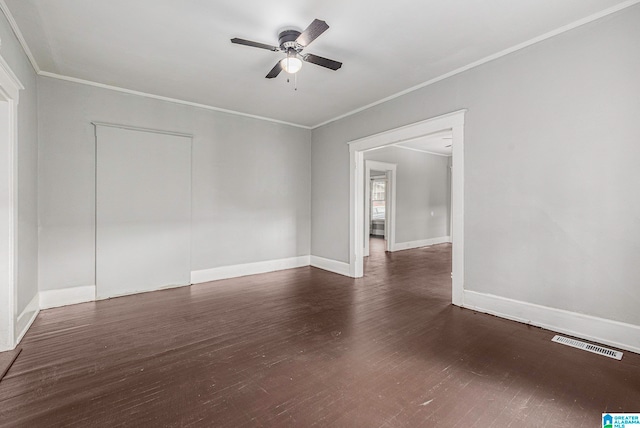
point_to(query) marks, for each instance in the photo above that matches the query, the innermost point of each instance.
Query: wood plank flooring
(6, 360)
(305, 347)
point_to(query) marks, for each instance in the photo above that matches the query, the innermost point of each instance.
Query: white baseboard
(67, 296)
(27, 317)
(399, 246)
(234, 271)
(600, 330)
(330, 265)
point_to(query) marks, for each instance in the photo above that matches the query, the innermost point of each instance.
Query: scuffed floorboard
(7, 359)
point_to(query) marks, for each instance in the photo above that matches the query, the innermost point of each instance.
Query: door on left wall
(143, 211)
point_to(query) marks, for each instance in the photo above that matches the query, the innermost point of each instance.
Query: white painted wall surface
(251, 181)
(27, 236)
(143, 211)
(421, 188)
(551, 177)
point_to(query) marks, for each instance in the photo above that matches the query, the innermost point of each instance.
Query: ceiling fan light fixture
(292, 42)
(291, 64)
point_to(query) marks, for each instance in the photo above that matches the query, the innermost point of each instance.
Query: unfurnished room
(305, 213)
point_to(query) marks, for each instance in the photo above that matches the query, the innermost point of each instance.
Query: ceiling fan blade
(274, 71)
(323, 62)
(254, 44)
(312, 32)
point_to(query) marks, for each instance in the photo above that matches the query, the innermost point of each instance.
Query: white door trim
(452, 121)
(390, 169)
(141, 129)
(10, 87)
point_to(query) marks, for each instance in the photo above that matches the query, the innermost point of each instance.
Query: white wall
(27, 234)
(422, 187)
(250, 188)
(552, 215)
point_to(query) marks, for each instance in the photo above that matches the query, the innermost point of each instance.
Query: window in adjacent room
(378, 202)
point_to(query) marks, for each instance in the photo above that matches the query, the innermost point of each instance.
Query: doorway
(383, 175)
(453, 123)
(143, 210)
(10, 86)
(377, 205)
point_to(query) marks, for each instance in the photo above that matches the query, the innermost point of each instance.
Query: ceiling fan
(292, 42)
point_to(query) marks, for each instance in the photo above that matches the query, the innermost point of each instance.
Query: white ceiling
(180, 48)
(438, 144)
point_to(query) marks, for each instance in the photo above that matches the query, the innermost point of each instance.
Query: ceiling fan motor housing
(287, 40)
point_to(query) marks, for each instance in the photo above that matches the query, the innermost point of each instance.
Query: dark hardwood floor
(6, 360)
(305, 347)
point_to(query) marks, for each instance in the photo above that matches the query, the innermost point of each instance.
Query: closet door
(143, 211)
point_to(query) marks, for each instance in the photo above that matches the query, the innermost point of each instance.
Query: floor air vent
(588, 347)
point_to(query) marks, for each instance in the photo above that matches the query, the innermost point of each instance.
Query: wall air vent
(588, 347)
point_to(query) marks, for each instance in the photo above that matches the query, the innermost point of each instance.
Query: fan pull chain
(295, 81)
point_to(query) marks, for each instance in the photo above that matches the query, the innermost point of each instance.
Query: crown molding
(163, 98)
(16, 30)
(489, 58)
(25, 47)
(545, 36)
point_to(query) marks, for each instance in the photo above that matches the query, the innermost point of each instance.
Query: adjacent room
(319, 213)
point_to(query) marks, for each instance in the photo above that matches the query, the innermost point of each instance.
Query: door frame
(10, 88)
(390, 214)
(453, 121)
(96, 125)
